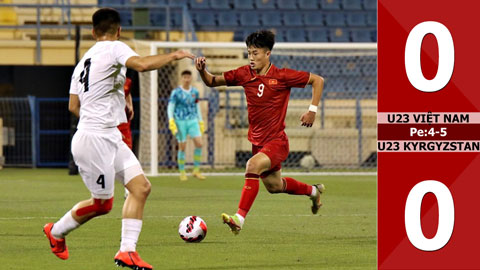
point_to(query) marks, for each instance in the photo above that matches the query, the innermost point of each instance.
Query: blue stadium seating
(313, 18)
(265, 4)
(374, 35)
(352, 4)
(248, 18)
(110, 2)
(157, 2)
(335, 19)
(287, 4)
(339, 35)
(350, 66)
(356, 19)
(227, 18)
(220, 4)
(317, 35)
(158, 17)
(243, 4)
(308, 4)
(136, 2)
(370, 4)
(199, 4)
(292, 19)
(361, 35)
(372, 19)
(204, 19)
(271, 18)
(295, 35)
(330, 4)
(279, 35)
(125, 17)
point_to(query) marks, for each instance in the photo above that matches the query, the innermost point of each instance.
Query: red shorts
(126, 133)
(277, 151)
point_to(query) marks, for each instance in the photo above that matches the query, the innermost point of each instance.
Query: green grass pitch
(280, 232)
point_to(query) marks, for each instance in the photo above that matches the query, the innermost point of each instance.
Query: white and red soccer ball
(192, 229)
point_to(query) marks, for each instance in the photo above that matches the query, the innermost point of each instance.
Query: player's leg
(275, 183)
(182, 145)
(130, 173)
(194, 132)
(127, 139)
(95, 153)
(256, 165)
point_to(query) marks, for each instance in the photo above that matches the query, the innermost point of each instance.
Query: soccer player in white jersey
(97, 97)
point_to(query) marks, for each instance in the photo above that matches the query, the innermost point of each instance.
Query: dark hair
(186, 72)
(261, 39)
(106, 20)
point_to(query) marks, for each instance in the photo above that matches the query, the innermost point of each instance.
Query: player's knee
(272, 189)
(104, 207)
(253, 167)
(182, 147)
(144, 189)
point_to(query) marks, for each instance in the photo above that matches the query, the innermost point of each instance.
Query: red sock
(292, 186)
(249, 193)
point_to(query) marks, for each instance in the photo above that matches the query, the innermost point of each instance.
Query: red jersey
(125, 127)
(267, 99)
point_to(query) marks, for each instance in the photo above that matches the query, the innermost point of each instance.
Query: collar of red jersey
(266, 73)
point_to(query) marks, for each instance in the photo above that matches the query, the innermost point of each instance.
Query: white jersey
(98, 81)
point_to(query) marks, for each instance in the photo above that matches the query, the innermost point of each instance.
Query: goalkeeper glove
(172, 126)
(202, 126)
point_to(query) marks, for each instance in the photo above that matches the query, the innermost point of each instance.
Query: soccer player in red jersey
(267, 89)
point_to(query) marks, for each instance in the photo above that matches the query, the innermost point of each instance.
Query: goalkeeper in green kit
(185, 119)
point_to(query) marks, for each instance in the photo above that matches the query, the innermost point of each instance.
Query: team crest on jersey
(272, 82)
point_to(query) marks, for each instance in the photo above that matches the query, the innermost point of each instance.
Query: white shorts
(102, 157)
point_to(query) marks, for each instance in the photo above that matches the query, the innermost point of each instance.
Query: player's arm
(316, 81)
(208, 78)
(129, 105)
(152, 62)
(74, 105)
(170, 111)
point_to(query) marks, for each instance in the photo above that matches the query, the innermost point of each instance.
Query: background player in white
(185, 118)
(97, 97)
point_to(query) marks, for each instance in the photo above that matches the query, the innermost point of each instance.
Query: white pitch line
(209, 216)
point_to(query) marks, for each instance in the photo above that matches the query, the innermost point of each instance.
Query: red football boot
(132, 260)
(58, 246)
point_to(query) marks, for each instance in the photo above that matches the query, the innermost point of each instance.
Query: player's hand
(180, 54)
(202, 126)
(200, 63)
(308, 118)
(172, 126)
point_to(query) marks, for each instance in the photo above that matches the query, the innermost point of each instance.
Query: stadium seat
(317, 35)
(356, 19)
(243, 4)
(204, 19)
(295, 35)
(158, 17)
(335, 19)
(330, 4)
(339, 35)
(177, 18)
(271, 18)
(369, 69)
(199, 4)
(361, 36)
(125, 17)
(220, 4)
(370, 4)
(157, 2)
(265, 4)
(313, 18)
(249, 18)
(350, 67)
(136, 2)
(308, 4)
(279, 35)
(374, 35)
(227, 18)
(352, 4)
(292, 19)
(287, 4)
(110, 2)
(372, 19)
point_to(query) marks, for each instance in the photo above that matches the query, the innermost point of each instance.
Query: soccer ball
(307, 162)
(192, 229)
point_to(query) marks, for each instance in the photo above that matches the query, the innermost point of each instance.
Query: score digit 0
(446, 209)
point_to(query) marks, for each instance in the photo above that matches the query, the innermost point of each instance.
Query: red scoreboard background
(428, 134)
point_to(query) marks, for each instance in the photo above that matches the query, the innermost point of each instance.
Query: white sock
(65, 225)
(241, 219)
(314, 191)
(130, 231)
